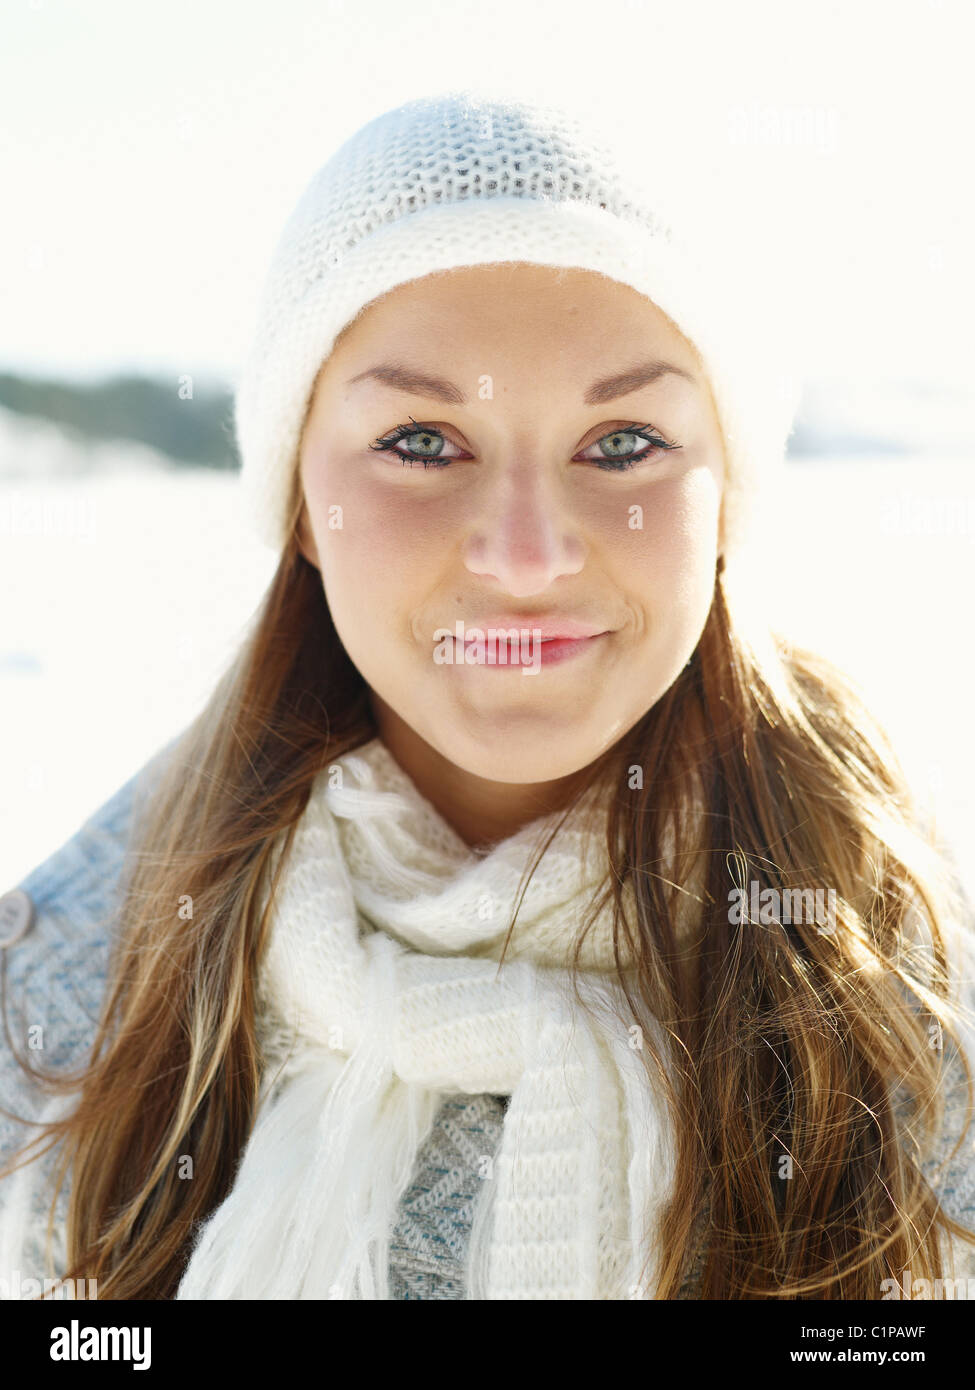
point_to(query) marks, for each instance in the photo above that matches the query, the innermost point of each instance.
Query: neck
(482, 812)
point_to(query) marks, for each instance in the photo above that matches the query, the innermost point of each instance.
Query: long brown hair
(803, 1088)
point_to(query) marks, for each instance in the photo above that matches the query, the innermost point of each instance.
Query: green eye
(614, 444)
(620, 451)
(427, 449)
(427, 441)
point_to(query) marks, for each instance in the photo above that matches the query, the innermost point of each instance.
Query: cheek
(664, 536)
(373, 551)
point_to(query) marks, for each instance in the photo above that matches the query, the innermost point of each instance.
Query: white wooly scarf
(380, 994)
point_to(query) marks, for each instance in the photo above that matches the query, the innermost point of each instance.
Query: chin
(543, 752)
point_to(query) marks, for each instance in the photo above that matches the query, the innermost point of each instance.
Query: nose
(525, 538)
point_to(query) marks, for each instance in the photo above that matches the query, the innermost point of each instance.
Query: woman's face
(530, 387)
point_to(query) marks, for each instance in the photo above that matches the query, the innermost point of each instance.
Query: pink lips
(538, 642)
(552, 629)
(556, 649)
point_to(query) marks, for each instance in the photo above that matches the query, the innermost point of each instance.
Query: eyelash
(387, 443)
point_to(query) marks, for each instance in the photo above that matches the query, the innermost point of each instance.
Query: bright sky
(150, 153)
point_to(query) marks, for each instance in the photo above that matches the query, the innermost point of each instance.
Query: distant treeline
(196, 431)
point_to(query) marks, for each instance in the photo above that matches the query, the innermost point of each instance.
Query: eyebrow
(608, 388)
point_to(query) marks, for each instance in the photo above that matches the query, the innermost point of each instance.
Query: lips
(551, 628)
(525, 642)
(553, 650)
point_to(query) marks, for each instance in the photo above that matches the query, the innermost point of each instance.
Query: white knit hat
(466, 178)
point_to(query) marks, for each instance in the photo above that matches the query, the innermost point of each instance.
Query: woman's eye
(423, 445)
(622, 448)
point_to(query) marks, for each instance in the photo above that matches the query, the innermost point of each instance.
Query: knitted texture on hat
(462, 180)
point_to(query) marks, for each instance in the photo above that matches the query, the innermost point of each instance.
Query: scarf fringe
(312, 1206)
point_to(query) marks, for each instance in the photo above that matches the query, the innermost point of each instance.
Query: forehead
(516, 305)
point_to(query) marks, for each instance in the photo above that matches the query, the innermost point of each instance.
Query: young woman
(519, 919)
